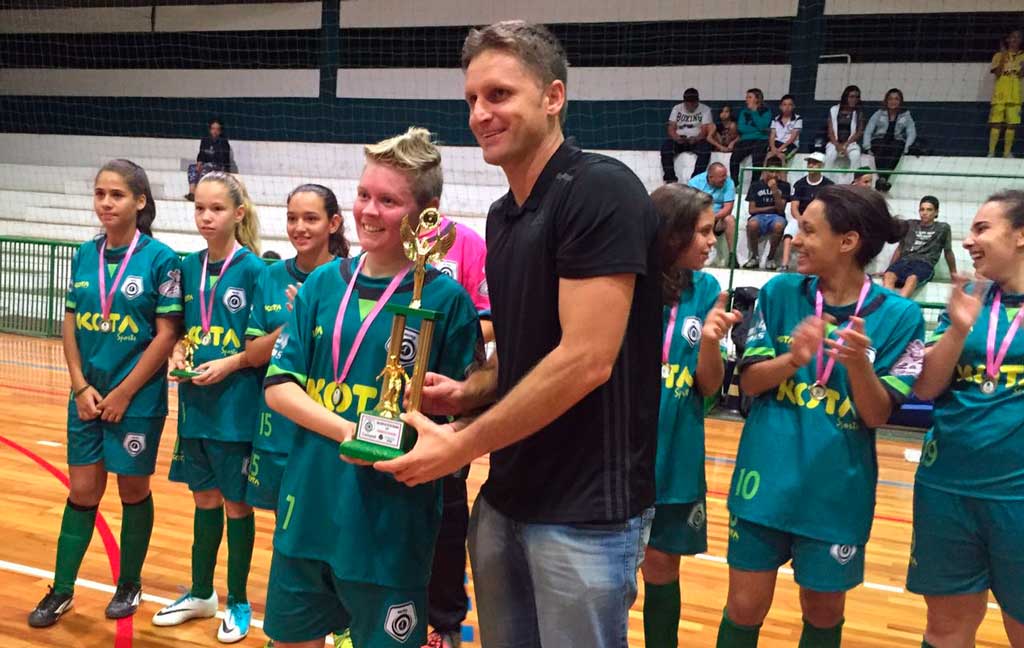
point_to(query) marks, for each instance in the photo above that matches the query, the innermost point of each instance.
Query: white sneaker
(235, 625)
(185, 608)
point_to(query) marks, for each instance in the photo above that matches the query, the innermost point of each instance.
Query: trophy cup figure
(189, 346)
(380, 433)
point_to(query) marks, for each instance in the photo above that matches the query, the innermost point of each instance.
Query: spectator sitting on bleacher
(1008, 67)
(784, 137)
(913, 263)
(804, 191)
(753, 124)
(214, 155)
(717, 183)
(845, 127)
(889, 134)
(689, 125)
(725, 135)
(766, 199)
(863, 177)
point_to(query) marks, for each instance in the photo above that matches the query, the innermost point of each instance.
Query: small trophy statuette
(189, 346)
(380, 433)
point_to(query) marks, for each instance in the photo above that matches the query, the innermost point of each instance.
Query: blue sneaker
(235, 625)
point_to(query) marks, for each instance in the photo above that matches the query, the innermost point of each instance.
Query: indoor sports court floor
(33, 398)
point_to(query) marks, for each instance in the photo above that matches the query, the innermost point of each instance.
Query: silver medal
(664, 372)
(988, 387)
(106, 326)
(205, 340)
(818, 391)
(336, 396)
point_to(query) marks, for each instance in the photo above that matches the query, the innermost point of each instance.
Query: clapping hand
(806, 339)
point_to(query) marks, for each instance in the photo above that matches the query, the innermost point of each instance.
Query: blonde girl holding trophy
(216, 417)
(353, 546)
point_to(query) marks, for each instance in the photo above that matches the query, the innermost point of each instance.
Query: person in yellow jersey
(1004, 117)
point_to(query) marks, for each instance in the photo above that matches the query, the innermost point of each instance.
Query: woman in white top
(845, 128)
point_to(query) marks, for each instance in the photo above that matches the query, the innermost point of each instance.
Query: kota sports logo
(692, 330)
(409, 349)
(400, 621)
(234, 299)
(132, 286)
(843, 554)
(134, 444)
(448, 268)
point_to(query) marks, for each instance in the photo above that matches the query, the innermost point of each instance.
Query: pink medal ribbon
(206, 314)
(667, 344)
(823, 370)
(336, 342)
(994, 361)
(107, 298)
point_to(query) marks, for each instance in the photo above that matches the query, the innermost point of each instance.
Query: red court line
(123, 638)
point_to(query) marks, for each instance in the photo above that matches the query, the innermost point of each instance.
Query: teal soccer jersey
(976, 444)
(366, 525)
(150, 288)
(805, 466)
(224, 411)
(679, 470)
(269, 312)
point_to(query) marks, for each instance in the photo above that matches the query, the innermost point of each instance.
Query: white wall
(159, 83)
(918, 81)
(868, 7)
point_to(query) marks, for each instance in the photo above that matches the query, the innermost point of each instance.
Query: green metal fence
(34, 275)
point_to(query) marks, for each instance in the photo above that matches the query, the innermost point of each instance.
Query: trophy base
(186, 374)
(366, 451)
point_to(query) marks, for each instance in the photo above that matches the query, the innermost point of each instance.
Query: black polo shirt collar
(559, 162)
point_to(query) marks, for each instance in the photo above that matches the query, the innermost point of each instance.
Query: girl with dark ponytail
(316, 232)
(829, 356)
(123, 314)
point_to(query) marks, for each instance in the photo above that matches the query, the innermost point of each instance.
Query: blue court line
(883, 482)
(32, 365)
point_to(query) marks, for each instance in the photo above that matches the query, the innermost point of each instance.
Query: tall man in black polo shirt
(558, 531)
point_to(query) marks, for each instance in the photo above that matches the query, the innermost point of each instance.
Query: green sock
(75, 534)
(207, 530)
(733, 635)
(813, 637)
(241, 537)
(993, 139)
(661, 615)
(136, 530)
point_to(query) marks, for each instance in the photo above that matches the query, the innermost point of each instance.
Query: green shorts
(306, 601)
(817, 565)
(680, 529)
(964, 545)
(265, 472)
(125, 448)
(205, 464)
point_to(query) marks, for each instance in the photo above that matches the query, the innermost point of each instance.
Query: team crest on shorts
(400, 621)
(692, 329)
(234, 299)
(134, 444)
(698, 517)
(172, 287)
(132, 286)
(410, 346)
(843, 553)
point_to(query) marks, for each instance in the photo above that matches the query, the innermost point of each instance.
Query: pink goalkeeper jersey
(466, 263)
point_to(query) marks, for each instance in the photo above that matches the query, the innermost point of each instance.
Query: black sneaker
(125, 601)
(50, 609)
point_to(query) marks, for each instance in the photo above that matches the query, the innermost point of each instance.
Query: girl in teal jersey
(969, 491)
(216, 417)
(123, 316)
(828, 357)
(692, 369)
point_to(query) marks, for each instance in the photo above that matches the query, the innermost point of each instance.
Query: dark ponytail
(138, 183)
(337, 245)
(679, 208)
(1012, 202)
(851, 208)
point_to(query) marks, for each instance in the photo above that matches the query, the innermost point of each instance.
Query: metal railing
(34, 275)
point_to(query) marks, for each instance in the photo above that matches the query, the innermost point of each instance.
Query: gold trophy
(189, 346)
(380, 433)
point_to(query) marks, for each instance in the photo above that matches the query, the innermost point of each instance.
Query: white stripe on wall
(918, 81)
(239, 17)
(405, 13)
(160, 83)
(868, 7)
(715, 82)
(82, 20)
